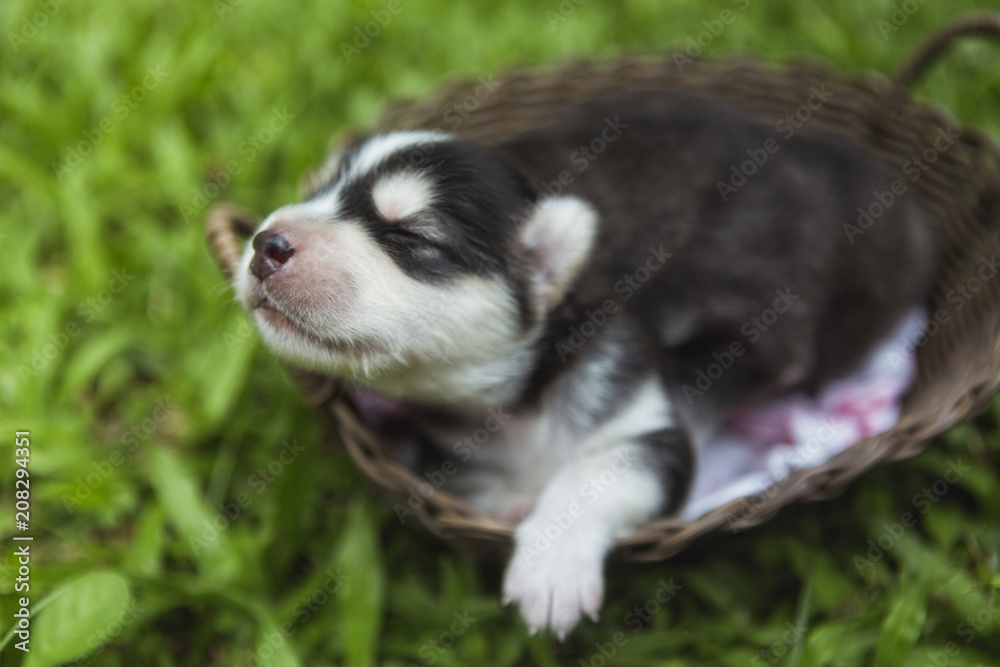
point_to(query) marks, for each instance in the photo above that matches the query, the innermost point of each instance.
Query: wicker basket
(958, 366)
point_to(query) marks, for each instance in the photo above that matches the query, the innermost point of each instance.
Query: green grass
(151, 407)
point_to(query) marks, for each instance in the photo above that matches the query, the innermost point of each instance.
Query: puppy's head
(414, 253)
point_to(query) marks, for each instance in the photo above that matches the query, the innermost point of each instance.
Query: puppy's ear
(559, 234)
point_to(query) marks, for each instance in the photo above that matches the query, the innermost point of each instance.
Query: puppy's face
(415, 251)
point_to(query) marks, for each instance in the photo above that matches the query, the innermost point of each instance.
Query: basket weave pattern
(958, 361)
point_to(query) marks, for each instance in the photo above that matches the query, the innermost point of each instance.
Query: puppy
(545, 308)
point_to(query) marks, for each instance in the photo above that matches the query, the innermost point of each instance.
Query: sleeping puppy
(565, 315)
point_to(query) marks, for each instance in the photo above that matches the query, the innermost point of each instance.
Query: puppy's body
(437, 273)
(783, 231)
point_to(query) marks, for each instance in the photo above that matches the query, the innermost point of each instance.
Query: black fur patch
(671, 454)
(655, 186)
(478, 205)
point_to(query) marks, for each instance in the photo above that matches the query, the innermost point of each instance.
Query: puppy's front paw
(555, 581)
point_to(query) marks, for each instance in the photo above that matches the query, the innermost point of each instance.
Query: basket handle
(228, 228)
(986, 25)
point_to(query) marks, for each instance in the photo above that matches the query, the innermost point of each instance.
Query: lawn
(184, 509)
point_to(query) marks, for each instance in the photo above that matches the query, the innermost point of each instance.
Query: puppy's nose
(271, 251)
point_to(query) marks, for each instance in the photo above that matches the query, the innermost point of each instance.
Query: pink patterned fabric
(763, 444)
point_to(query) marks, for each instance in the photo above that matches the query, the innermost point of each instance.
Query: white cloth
(759, 447)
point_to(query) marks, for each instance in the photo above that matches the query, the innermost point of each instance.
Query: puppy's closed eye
(403, 236)
(423, 229)
(425, 253)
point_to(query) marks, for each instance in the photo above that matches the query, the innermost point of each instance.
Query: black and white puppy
(447, 276)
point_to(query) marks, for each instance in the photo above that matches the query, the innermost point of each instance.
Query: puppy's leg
(556, 573)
